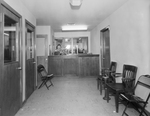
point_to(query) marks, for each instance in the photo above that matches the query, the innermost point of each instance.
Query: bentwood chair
(139, 99)
(44, 76)
(128, 82)
(106, 76)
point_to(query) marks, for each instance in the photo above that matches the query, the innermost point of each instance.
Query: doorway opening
(105, 48)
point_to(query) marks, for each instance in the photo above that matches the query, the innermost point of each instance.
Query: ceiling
(59, 12)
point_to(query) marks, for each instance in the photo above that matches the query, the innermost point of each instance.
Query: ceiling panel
(59, 12)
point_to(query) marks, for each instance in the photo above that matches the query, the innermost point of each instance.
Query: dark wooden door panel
(11, 90)
(30, 69)
(10, 77)
(30, 59)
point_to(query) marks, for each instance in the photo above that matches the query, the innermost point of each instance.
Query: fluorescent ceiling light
(74, 27)
(75, 2)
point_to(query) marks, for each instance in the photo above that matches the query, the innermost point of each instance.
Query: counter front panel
(80, 65)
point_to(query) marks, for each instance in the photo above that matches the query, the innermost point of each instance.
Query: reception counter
(80, 65)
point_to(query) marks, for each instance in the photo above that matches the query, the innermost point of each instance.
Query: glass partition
(30, 45)
(10, 39)
(64, 46)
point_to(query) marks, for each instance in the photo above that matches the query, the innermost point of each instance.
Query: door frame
(102, 47)
(33, 27)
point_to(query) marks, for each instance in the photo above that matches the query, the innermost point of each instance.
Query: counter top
(75, 55)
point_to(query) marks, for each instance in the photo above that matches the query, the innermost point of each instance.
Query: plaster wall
(46, 30)
(129, 35)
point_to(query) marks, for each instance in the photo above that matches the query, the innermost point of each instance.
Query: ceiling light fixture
(76, 2)
(74, 27)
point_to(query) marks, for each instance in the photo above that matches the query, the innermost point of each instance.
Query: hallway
(70, 96)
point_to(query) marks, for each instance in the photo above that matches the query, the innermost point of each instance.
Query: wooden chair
(140, 97)
(128, 81)
(44, 76)
(106, 76)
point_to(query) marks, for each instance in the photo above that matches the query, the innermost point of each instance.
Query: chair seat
(133, 98)
(116, 86)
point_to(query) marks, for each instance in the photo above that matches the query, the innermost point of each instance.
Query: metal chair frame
(128, 82)
(137, 102)
(106, 73)
(45, 77)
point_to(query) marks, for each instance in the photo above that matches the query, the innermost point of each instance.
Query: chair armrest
(115, 75)
(104, 70)
(109, 71)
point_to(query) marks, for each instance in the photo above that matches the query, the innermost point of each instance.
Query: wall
(129, 35)
(75, 34)
(46, 30)
(26, 14)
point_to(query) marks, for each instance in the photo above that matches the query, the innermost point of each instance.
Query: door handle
(33, 62)
(19, 68)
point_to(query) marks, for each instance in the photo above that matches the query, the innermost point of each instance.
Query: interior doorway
(42, 51)
(105, 48)
(30, 59)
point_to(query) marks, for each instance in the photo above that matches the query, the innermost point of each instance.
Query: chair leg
(41, 85)
(107, 94)
(142, 111)
(47, 86)
(100, 87)
(98, 83)
(51, 84)
(124, 112)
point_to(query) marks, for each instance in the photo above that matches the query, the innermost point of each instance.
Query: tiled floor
(70, 96)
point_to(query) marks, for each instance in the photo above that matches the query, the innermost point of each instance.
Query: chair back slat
(112, 68)
(129, 71)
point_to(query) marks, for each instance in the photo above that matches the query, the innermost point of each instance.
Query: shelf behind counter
(80, 65)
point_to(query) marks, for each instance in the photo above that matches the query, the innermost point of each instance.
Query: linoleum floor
(70, 96)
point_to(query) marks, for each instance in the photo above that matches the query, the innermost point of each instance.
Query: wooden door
(30, 59)
(105, 48)
(11, 95)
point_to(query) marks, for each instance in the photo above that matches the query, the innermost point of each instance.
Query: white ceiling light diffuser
(75, 2)
(74, 28)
